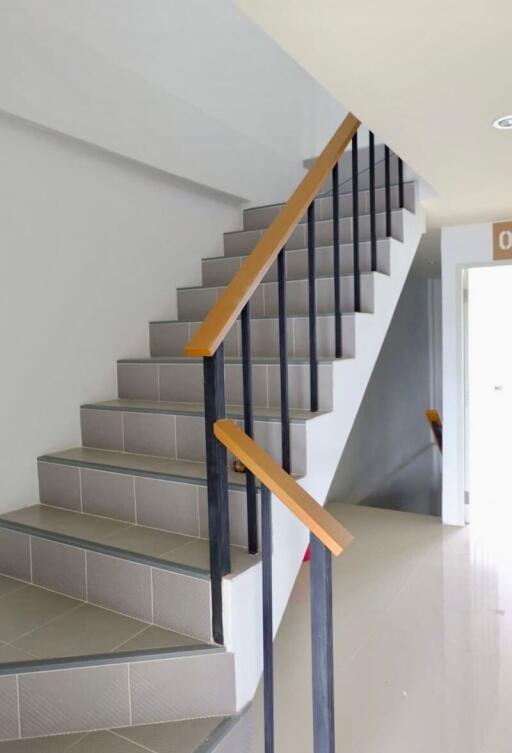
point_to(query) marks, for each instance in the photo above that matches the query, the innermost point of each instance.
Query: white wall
(390, 459)
(461, 247)
(93, 248)
(190, 86)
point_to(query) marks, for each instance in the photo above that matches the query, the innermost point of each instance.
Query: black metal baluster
(283, 361)
(322, 647)
(373, 225)
(252, 515)
(387, 168)
(336, 261)
(313, 361)
(400, 183)
(355, 220)
(217, 483)
(268, 628)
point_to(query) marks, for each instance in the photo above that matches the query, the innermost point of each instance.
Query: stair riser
(177, 436)
(262, 217)
(131, 588)
(175, 506)
(243, 241)
(116, 695)
(183, 382)
(195, 303)
(219, 271)
(170, 338)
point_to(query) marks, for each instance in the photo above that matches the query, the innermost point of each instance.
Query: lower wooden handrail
(321, 523)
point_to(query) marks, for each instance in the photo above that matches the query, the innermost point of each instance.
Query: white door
(489, 343)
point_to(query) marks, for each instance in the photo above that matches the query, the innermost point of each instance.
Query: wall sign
(502, 240)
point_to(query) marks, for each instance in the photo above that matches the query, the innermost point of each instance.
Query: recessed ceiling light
(504, 123)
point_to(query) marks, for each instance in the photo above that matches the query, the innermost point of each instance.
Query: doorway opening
(488, 400)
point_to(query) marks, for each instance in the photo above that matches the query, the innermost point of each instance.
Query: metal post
(252, 514)
(336, 261)
(322, 647)
(217, 482)
(268, 628)
(283, 361)
(373, 224)
(401, 202)
(387, 168)
(313, 361)
(355, 219)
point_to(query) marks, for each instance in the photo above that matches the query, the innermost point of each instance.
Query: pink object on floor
(307, 555)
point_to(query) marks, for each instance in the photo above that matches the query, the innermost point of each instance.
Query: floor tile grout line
(138, 745)
(48, 622)
(29, 654)
(25, 584)
(83, 735)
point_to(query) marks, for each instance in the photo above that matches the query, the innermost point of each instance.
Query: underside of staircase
(106, 630)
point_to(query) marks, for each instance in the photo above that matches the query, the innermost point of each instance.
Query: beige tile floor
(40, 624)
(423, 641)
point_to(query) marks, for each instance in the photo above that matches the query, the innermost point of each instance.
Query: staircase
(106, 635)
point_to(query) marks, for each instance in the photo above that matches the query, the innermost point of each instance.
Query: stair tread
(319, 315)
(157, 546)
(299, 250)
(131, 462)
(361, 215)
(186, 736)
(197, 409)
(39, 625)
(290, 281)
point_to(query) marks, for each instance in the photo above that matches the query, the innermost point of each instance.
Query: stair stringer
(325, 441)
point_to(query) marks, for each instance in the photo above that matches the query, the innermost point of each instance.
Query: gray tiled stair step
(195, 303)
(160, 493)
(256, 218)
(169, 338)
(345, 169)
(218, 734)
(240, 242)
(181, 380)
(46, 691)
(153, 576)
(218, 270)
(175, 430)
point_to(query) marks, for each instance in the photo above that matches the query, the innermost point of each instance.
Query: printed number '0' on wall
(502, 240)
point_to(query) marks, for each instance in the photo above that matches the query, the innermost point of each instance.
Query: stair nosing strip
(294, 250)
(105, 659)
(108, 550)
(344, 275)
(194, 360)
(184, 412)
(266, 317)
(132, 471)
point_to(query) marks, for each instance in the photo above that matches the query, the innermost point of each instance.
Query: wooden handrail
(229, 305)
(325, 527)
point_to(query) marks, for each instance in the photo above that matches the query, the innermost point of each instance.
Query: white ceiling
(428, 76)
